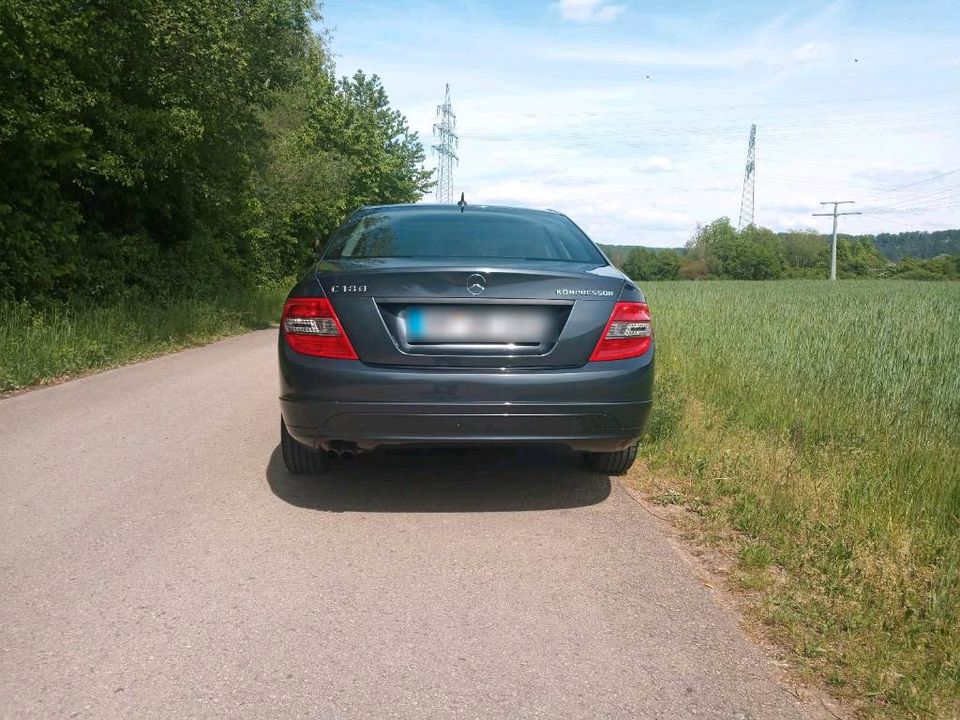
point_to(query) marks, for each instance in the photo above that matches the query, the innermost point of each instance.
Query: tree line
(164, 147)
(720, 251)
(918, 244)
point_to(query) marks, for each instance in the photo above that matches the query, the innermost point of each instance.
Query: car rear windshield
(478, 234)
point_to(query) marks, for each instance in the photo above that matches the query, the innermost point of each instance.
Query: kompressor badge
(585, 291)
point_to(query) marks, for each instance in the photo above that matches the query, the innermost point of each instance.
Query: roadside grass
(41, 345)
(814, 428)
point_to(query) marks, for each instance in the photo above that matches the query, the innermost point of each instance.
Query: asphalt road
(158, 562)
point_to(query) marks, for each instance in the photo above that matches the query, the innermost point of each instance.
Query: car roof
(434, 208)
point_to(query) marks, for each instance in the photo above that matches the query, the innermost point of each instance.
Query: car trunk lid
(417, 312)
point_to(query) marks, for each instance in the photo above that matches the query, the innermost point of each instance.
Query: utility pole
(749, 182)
(835, 214)
(444, 130)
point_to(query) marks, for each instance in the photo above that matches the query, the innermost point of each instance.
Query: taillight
(628, 333)
(310, 326)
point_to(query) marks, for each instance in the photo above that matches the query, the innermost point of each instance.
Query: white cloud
(589, 10)
(812, 51)
(655, 164)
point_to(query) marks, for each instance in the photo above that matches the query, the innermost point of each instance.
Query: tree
(667, 265)
(751, 254)
(167, 146)
(856, 257)
(384, 156)
(760, 256)
(942, 267)
(719, 251)
(918, 244)
(334, 146)
(802, 250)
(647, 264)
(142, 138)
(42, 140)
(693, 267)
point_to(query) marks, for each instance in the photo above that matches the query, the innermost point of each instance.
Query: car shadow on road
(472, 480)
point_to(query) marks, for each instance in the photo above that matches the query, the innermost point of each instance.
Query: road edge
(812, 697)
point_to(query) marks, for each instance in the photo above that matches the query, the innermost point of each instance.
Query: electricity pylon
(444, 130)
(749, 181)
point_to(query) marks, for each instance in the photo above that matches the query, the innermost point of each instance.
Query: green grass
(821, 422)
(42, 345)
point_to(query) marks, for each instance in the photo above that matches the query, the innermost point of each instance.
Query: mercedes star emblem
(476, 284)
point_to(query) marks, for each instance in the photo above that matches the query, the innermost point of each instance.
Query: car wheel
(612, 463)
(299, 460)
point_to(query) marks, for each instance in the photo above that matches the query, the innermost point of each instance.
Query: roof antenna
(462, 203)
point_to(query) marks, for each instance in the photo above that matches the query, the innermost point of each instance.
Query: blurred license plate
(491, 324)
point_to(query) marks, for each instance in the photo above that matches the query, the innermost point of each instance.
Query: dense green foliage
(171, 146)
(650, 264)
(918, 244)
(824, 429)
(718, 251)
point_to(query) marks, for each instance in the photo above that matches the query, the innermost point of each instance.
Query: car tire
(612, 463)
(299, 460)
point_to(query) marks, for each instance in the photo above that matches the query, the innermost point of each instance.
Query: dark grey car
(430, 325)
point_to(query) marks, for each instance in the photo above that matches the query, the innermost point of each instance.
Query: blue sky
(633, 116)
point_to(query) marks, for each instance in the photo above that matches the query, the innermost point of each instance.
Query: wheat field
(821, 423)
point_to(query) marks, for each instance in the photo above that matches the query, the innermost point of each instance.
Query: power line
(920, 182)
(833, 245)
(858, 101)
(444, 129)
(886, 221)
(929, 196)
(852, 126)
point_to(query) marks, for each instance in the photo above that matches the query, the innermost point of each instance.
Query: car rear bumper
(596, 427)
(600, 407)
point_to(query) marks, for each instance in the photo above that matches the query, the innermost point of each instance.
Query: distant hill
(894, 246)
(918, 244)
